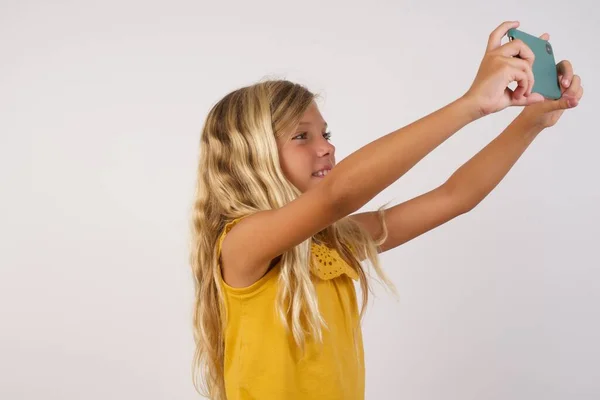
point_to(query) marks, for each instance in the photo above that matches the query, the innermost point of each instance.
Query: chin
(312, 182)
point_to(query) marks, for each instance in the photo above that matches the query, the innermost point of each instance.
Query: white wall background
(101, 105)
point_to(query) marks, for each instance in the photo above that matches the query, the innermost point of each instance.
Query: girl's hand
(499, 67)
(548, 112)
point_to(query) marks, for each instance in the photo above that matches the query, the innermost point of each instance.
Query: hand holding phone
(500, 66)
(544, 66)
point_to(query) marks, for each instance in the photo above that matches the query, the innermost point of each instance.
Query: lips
(322, 172)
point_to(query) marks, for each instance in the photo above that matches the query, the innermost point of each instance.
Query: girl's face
(305, 153)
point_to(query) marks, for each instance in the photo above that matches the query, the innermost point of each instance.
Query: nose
(325, 148)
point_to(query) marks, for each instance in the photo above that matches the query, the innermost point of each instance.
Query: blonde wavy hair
(239, 174)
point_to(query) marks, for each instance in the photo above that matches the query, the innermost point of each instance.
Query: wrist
(470, 106)
(526, 127)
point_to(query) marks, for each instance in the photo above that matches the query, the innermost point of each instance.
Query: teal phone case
(544, 65)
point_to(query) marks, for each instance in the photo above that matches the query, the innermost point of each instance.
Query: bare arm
(472, 182)
(411, 218)
(464, 190)
(255, 241)
(365, 173)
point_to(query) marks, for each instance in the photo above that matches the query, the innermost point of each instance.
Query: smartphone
(545, 74)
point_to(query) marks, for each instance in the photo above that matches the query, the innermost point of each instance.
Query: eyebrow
(308, 123)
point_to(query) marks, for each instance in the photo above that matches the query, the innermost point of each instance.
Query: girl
(276, 249)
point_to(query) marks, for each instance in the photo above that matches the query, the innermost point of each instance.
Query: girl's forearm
(363, 174)
(472, 182)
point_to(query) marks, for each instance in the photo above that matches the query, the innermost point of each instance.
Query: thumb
(561, 104)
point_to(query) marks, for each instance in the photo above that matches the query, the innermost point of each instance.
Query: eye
(326, 135)
(302, 134)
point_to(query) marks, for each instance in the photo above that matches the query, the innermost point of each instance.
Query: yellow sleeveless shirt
(262, 360)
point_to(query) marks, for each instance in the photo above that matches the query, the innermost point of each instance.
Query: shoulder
(234, 269)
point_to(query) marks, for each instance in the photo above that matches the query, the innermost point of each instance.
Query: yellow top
(261, 358)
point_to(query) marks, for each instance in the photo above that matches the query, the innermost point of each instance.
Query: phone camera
(548, 48)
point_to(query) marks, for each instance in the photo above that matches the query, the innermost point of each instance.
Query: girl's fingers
(560, 79)
(574, 87)
(525, 67)
(496, 36)
(575, 92)
(534, 98)
(522, 82)
(565, 69)
(517, 48)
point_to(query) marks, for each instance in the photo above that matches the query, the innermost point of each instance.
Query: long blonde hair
(239, 174)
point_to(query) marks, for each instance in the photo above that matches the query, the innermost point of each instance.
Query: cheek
(294, 157)
(288, 162)
(296, 163)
